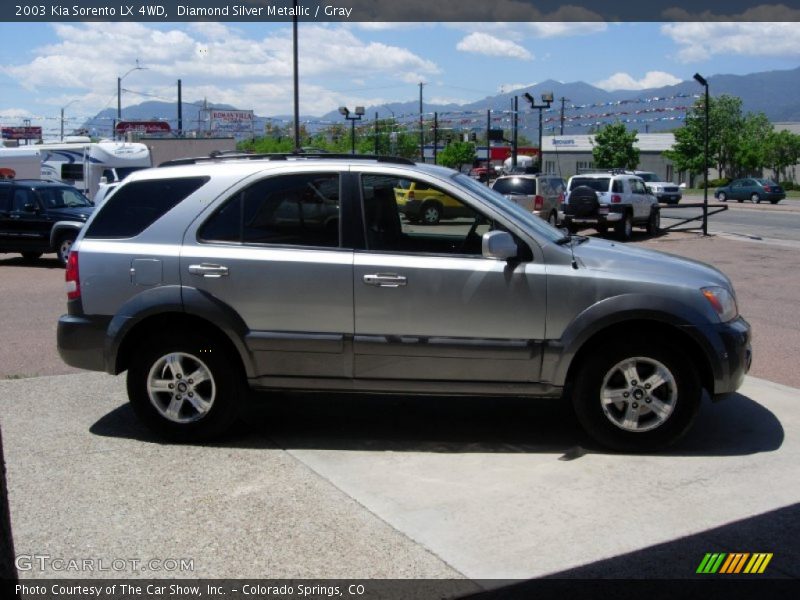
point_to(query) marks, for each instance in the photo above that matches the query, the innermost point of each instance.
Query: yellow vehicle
(426, 204)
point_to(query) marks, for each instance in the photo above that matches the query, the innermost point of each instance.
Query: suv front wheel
(637, 396)
(186, 389)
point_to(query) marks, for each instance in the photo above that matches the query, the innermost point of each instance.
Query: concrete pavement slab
(531, 511)
(365, 486)
(87, 481)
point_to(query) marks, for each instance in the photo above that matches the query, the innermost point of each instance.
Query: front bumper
(734, 355)
(81, 340)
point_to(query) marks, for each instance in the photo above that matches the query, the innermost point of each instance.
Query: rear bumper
(81, 340)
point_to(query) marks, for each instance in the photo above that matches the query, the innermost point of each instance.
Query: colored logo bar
(734, 563)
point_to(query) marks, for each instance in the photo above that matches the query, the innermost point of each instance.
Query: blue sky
(44, 67)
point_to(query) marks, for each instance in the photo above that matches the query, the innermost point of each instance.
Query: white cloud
(212, 59)
(483, 43)
(623, 81)
(519, 31)
(507, 88)
(702, 40)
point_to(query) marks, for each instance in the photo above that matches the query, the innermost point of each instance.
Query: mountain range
(774, 93)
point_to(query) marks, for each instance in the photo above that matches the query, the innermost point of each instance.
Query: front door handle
(385, 280)
(208, 270)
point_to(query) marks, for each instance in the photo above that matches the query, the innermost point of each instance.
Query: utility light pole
(421, 126)
(563, 101)
(119, 90)
(359, 112)
(547, 100)
(704, 82)
(62, 116)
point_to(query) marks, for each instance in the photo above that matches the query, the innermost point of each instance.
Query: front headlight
(722, 301)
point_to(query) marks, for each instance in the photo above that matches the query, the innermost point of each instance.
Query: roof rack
(218, 156)
(613, 171)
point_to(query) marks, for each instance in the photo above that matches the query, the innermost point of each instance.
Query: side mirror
(498, 245)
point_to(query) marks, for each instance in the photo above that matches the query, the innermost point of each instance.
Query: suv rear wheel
(654, 222)
(624, 228)
(637, 396)
(186, 388)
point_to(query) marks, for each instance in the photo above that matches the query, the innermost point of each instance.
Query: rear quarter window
(137, 205)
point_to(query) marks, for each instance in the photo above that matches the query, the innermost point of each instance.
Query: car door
(272, 254)
(429, 306)
(5, 213)
(738, 190)
(641, 207)
(29, 227)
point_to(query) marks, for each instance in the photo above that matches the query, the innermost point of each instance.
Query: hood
(644, 264)
(71, 214)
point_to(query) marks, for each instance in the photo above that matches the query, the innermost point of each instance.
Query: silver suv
(209, 277)
(610, 199)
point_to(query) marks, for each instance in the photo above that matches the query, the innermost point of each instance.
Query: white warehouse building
(565, 155)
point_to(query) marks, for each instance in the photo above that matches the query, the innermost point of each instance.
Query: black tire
(755, 199)
(553, 219)
(31, 255)
(740, 200)
(430, 213)
(722, 197)
(774, 201)
(654, 222)
(602, 228)
(572, 227)
(220, 396)
(624, 228)
(63, 247)
(622, 425)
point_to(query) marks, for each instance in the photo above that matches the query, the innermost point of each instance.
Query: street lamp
(119, 90)
(547, 100)
(62, 116)
(359, 112)
(704, 82)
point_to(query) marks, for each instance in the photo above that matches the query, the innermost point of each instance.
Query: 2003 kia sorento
(206, 277)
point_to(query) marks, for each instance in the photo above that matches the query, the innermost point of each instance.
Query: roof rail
(613, 171)
(218, 156)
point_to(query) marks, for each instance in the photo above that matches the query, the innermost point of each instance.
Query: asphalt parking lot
(393, 487)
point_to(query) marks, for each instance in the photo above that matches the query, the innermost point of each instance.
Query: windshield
(62, 197)
(515, 185)
(519, 214)
(598, 184)
(648, 177)
(123, 172)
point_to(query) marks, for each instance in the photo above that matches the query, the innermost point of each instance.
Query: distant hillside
(657, 109)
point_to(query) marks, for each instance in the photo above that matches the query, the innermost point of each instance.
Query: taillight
(72, 277)
(538, 202)
(410, 195)
(767, 188)
(616, 199)
(561, 198)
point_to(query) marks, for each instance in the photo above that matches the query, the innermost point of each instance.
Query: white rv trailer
(83, 164)
(20, 163)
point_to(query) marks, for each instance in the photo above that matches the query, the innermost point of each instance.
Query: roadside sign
(22, 133)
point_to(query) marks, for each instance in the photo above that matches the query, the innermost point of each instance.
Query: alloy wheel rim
(638, 394)
(181, 388)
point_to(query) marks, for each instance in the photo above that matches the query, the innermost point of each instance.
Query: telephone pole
(421, 126)
(563, 100)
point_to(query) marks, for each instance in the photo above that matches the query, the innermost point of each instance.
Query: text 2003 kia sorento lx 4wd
(211, 276)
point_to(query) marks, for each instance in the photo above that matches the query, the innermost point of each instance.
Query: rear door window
(598, 184)
(515, 185)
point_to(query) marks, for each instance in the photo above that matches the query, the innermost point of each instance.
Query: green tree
(457, 154)
(750, 152)
(613, 146)
(781, 150)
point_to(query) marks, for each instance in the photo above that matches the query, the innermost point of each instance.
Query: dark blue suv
(38, 217)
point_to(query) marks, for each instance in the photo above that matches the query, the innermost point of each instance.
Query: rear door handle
(385, 280)
(208, 270)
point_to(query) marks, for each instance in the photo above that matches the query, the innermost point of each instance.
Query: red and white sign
(232, 116)
(22, 133)
(143, 127)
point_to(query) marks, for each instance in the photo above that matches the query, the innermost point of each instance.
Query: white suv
(613, 198)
